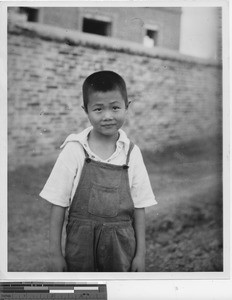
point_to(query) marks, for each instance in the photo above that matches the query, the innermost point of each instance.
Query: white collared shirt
(64, 178)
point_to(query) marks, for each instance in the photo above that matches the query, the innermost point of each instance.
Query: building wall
(128, 22)
(175, 99)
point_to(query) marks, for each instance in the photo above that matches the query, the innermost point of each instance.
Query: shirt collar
(82, 138)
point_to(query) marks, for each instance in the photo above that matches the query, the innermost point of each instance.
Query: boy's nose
(107, 115)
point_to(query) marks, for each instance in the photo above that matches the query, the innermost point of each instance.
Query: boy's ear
(129, 102)
(84, 109)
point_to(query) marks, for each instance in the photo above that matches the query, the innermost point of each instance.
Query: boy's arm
(57, 261)
(138, 264)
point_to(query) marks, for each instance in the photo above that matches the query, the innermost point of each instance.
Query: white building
(200, 34)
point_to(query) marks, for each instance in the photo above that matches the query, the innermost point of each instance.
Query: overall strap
(129, 152)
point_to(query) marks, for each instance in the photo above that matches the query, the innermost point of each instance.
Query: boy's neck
(102, 145)
(94, 136)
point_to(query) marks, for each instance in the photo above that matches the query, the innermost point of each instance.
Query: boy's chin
(108, 132)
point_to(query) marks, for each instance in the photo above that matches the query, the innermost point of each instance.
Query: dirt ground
(184, 230)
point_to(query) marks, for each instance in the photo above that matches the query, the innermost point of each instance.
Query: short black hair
(103, 81)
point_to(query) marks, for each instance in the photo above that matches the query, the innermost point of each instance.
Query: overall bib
(100, 233)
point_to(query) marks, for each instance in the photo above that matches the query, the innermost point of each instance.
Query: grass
(184, 231)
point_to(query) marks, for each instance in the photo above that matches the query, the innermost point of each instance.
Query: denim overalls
(100, 233)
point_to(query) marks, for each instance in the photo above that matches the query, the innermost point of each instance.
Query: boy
(100, 176)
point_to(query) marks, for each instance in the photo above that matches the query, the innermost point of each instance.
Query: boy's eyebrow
(115, 101)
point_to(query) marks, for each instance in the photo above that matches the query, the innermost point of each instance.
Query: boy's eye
(97, 109)
(116, 107)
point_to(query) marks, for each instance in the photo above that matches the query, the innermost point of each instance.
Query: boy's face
(106, 112)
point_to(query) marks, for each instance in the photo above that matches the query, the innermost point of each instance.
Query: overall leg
(79, 252)
(116, 249)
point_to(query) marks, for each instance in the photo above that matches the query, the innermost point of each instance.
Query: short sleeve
(58, 187)
(141, 190)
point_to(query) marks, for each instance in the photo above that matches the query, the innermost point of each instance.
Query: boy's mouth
(108, 125)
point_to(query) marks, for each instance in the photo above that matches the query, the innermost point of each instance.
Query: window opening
(150, 38)
(32, 14)
(96, 27)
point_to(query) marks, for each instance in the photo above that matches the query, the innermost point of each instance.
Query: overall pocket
(103, 201)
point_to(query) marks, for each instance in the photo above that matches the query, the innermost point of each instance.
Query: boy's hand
(138, 264)
(57, 264)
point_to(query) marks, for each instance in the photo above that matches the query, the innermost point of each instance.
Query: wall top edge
(72, 37)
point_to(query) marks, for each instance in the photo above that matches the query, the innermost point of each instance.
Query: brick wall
(175, 98)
